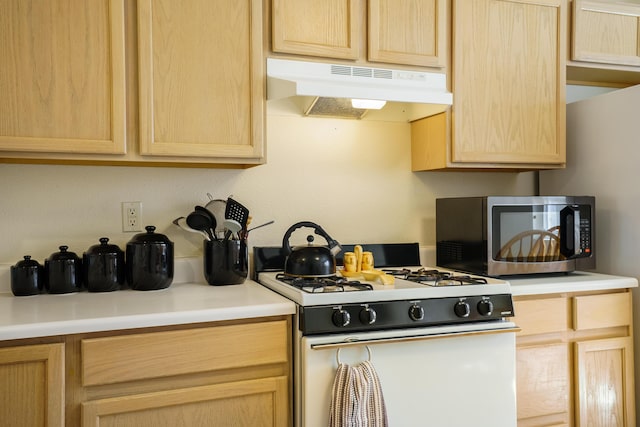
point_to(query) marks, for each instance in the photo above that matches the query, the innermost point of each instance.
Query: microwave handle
(570, 232)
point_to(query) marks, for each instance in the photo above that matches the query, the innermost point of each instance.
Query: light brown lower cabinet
(32, 385)
(232, 373)
(575, 360)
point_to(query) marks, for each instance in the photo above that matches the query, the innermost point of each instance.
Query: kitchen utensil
(261, 225)
(27, 277)
(244, 234)
(149, 261)
(103, 267)
(310, 260)
(236, 211)
(63, 272)
(231, 227)
(182, 223)
(226, 262)
(198, 220)
(218, 207)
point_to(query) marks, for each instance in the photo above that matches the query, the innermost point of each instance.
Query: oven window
(526, 233)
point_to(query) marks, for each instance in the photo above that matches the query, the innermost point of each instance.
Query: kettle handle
(334, 246)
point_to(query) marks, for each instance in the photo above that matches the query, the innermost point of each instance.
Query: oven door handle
(356, 341)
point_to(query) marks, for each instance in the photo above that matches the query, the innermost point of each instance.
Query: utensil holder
(226, 262)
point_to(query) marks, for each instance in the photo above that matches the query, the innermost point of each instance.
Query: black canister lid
(150, 237)
(103, 248)
(63, 255)
(27, 262)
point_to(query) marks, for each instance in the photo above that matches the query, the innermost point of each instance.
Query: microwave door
(570, 222)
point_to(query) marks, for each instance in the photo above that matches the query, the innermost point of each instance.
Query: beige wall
(351, 177)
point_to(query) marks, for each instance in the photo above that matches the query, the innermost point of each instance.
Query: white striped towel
(357, 399)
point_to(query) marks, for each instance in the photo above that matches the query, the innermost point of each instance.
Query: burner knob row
(342, 318)
(462, 308)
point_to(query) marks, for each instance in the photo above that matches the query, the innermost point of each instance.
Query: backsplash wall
(352, 177)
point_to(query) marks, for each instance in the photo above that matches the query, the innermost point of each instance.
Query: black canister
(225, 261)
(27, 277)
(149, 261)
(63, 272)
(103, 267)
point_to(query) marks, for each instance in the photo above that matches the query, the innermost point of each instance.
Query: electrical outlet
(131, 216)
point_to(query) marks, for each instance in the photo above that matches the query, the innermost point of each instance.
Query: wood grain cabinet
(32, 385)
(606, 32)
(508, 81)
(201, 79)
(62, 76)
(575, 360)
(407, 32)
(604, 43)
(146, 82)
(226, 375)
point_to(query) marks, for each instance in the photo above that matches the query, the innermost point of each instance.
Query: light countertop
(187, 300)
(190, 300)
(577, 281)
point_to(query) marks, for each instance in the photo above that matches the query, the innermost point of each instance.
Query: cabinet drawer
(162, 354)
(606, 32)
(601, 311)
(541, 316)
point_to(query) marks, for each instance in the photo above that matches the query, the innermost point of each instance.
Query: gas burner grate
(432, 277)
(324, 284)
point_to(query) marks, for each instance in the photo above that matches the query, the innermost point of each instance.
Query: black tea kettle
(310, 260)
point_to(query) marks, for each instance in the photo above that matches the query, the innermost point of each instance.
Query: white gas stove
(430, 337)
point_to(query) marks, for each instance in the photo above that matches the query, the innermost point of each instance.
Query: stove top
(419, 296)
(409, 284)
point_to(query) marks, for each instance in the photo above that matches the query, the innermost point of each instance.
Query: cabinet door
(606, 32)
(327, 28)
(254, 403)
(605, 390)
(509, 81)
(201, 78)
(32, 386)
(62, 76)
(543, 382)
(411, 32)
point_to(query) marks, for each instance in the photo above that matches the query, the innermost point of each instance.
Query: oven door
(450, 376)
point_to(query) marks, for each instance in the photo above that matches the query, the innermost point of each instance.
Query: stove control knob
(368, 316)
(462, 309)
(341, 317)
(485, 307)
(416, 312)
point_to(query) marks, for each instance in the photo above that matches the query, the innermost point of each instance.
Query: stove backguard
(385, 255)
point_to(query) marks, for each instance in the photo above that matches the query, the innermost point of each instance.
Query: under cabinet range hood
(327, 90)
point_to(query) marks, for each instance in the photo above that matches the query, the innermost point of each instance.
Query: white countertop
(190, 300)
(578, 281)
(187, 300)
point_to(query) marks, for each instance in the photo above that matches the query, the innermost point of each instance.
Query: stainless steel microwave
(504, 235)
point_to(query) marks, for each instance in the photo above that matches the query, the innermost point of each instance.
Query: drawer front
(541, 316)
(606, 32)
(161, 354)
(602, 311)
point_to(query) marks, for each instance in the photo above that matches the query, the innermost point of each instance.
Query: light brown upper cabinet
(201, 79)
(152, 82)
(509, 59)
(62, 76)
(406, 32)
(605, 32)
